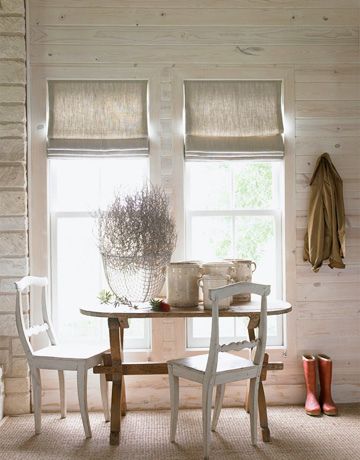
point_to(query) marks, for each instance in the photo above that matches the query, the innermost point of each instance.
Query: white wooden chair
(60, 357)
(220, 367)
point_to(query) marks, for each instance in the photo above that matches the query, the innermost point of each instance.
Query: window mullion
(234, 212)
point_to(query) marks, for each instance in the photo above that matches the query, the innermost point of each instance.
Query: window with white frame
(97, 145)
(234, 211)
(234, 187)
(77, 189)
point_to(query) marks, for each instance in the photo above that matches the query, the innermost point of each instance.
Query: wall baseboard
(156, 396)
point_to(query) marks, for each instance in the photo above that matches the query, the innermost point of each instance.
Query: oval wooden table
(115, 368)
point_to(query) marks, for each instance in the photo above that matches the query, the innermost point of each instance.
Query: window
(74, 190)
(79, 187)
(233, 144)
(97, 144)
(233, 205)
(233, 210)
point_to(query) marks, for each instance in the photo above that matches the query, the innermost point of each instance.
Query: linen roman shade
(96, 118)
(233, 119)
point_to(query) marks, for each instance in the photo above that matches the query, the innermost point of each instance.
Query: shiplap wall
(319, 40)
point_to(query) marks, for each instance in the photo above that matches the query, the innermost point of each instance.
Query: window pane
(74, 185)
(253, 185)
(209, 185)
(211, 238)
(255, 240)
(272, 326)
(87, 184)
(125, 176)
(226, 328)
(136, 328)
(201, 330)
(226, 226)
(78, 187)
(242, 323)
(77, 277)
(241, 327)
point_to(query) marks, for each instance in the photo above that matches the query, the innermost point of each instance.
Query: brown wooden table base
(153, 368)
(115, 369)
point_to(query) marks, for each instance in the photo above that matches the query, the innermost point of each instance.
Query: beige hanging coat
(325, 236)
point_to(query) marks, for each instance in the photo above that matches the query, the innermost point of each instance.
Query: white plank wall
(319, 40)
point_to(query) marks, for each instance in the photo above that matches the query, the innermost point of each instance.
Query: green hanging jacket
(325, 236)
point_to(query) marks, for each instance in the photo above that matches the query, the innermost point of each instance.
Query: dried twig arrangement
(136, 233)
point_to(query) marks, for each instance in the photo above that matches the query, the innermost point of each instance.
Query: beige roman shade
(95, 118)
(233, 119)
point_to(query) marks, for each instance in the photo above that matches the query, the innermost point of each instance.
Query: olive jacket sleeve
(325, 236)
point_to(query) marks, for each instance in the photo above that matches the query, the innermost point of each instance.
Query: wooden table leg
(116, 352)
(123, 324)
(253, 323)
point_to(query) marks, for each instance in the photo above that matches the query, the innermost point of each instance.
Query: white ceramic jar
(182, 284)
(243, 270)
(211, 282)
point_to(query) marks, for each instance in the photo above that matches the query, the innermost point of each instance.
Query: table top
(143, 310)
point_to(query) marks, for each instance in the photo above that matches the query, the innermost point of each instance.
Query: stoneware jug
(243, 270)
(210, 282)
(182, 284)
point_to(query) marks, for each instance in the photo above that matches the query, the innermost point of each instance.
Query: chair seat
(226, 363)
(70, 351)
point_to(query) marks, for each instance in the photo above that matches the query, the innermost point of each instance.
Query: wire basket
(136, 282)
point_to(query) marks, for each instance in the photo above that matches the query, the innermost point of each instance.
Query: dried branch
(137, 232)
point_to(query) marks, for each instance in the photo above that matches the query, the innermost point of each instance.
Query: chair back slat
(238, 346)
(239, 288)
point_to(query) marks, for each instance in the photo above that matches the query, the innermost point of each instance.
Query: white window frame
(39, 169)
(130, 342)
(277, 184)
(212, 72)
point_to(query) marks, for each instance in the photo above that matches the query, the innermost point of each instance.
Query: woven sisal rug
(145, 436)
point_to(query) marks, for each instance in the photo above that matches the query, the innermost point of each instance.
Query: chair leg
(254, 391)
(105, 396)
(62, 394)
(36, 382)
(220, 390)
(174, 403)
(82, 395)
(207, 391)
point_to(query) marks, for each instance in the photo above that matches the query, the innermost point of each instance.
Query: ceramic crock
(182, 284)
(214, 281)
(218, 268)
